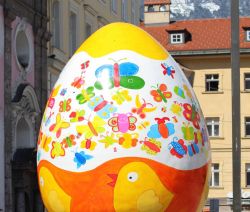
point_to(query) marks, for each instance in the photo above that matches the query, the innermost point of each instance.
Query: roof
(206, 34)
(150, 2)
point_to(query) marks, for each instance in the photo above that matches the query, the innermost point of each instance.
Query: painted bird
(55, 199)
(138, 188)
(139, 185)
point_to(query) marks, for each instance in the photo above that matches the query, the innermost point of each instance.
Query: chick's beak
(114, 178)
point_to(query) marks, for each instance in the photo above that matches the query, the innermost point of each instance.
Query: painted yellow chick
(138, 188)
(55, 199)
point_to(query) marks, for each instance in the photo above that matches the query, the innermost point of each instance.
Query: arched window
(151, 8)
(163, 8)
(23, 133)
(56, 24)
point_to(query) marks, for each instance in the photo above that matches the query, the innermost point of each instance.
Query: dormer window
(248, 35)
(176, 38)
(151, 8)
(178, 35)
(163, 8)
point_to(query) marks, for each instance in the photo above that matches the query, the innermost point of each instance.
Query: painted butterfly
(160, 93)
(102, 107)
(117, 75)
(85, 95)
(64, 106)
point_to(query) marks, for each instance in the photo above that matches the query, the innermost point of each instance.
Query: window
(151, 8)
(90, 21)
(247, 126)
(133, 8)
(212, 82)
(52, 78)
(22, 200)
(23, 133)
(22, 49)
(56, 24)
(248, 35)
(213, 126)
(124, 10)
(114, 6)
(101, 22)
(163, 8)
(247, 174)
(215, 175)
(177, 38)
(88, 30)
(247, 81)
(72, 33)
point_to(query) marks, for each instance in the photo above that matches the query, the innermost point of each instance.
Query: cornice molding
(206, 52)
(90, 9)
(102, 20)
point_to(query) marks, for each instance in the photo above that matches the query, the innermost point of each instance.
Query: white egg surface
(122, 105)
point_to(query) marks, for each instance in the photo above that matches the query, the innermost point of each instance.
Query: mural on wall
(123, 130)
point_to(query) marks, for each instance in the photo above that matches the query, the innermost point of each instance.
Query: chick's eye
(132, 176)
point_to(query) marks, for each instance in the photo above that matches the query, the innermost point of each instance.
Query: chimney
(156, 12)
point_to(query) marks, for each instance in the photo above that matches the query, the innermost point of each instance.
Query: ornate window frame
(26, 107)
(24, 27)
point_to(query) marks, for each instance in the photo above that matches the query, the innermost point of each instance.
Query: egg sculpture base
(123, 130)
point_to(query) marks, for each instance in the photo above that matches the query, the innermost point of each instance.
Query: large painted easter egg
(123, 130)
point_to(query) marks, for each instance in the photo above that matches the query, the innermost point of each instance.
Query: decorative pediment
(25, 102)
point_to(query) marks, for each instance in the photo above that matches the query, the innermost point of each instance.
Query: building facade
(204, 47)
(23, 81)
(156, 12)
(73, 21)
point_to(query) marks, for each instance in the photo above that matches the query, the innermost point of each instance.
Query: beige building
(72, 21)
(203, 46)
(156, 12)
